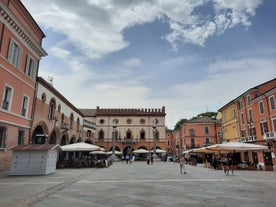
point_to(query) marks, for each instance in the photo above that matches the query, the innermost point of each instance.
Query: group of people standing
(129, 158)
(227, 164)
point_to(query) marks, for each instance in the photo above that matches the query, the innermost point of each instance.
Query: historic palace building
(131, 128)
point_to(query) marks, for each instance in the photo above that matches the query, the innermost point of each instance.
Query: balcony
(249, 139)
(269, 135)
(65, 126)
(5, 105)
(89, 124)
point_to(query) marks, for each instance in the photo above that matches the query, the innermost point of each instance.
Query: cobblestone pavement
(139, 184)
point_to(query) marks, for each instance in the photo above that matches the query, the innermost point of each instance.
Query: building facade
(200, 132)
(20, 53)
(230, 123)
(56, 120)
(131, 128)
(253, 114)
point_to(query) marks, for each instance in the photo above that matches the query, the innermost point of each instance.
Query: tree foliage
(210, 114)
(178, 124)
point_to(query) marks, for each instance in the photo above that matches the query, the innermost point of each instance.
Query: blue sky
(189, 56)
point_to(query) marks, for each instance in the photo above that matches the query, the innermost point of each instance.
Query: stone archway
(116, 149)
(73, 140)
(39, 135)
(143, 147)
(64, 140)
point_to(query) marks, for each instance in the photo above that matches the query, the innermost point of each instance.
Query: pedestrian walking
(182, 165)
(230, 165)
(151, 159)
(224, 165)
(127, 159)
(215, 163)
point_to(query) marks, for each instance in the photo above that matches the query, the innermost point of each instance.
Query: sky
(189, 56)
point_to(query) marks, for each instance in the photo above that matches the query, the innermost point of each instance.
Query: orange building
(200, 132)
(21, 51)
(257, 119)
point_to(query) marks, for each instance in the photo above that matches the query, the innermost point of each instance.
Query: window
(240, 104)
(261, 107)
(243, 132)
(142, 134)
(233, 113)
(7, 98)
(21, 136)
(89, 133)
(24, 105)
(207, 140)
(142, 121)
(192, 131)
(250, 116)
(206, 130)
(101, 134)
(248, 100)
(264, 127)
(128, 121)
(2, 137)
(30, 67)
(14, 54)
(272, 103)
(242, 118)
(52, 108)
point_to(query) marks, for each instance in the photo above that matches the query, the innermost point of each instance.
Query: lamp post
(114, 137)
(154, 137)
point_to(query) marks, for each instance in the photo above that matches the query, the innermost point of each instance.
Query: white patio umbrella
(80, 146)
(140, 151)
(98, 152)
(236, 147)
(116, 152)
(160, 151)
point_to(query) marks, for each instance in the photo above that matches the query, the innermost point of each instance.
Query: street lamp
(114, 138)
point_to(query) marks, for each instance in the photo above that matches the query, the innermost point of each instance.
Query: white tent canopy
(160, 151)
(140, 151)
(227, 147)
(236, 147)
(116, 152)
(79, 147)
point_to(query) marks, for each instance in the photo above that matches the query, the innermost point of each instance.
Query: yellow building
(230, 124)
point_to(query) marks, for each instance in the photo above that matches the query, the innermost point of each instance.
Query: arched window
(52, 108)
(101, 134)
(142, 134)
(129, 134)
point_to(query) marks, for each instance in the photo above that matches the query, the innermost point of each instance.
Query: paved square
(139, 184)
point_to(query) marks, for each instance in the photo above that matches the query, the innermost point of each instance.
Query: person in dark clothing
(215, 163)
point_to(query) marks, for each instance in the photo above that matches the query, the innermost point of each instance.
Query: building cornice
(7, 18)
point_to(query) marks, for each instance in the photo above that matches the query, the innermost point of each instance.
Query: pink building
(21, 51)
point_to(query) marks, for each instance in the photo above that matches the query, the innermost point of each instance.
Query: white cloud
(133, 62)
(96, 27)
